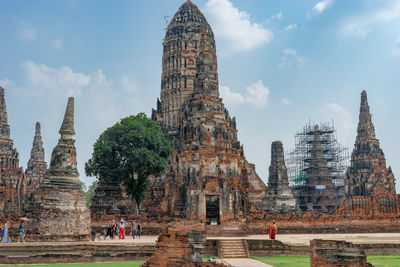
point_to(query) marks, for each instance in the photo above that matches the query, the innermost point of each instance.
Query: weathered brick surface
(368, 175)
(58, 208)
(37, 166)
(278, 197)
(329, 253)
(12, 180)
(207, 163)
(180, 244)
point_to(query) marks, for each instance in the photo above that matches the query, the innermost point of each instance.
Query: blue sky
(280, 63)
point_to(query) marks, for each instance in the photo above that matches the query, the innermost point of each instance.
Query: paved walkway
(245, 263)
(293, 239)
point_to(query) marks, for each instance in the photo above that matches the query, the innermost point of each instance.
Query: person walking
(133, 229)
(122, 224)
(109, 231)
(21, 232)
(5, 237)
(139, 229)
(272, 229)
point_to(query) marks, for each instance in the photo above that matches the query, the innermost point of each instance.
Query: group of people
(5, 235)
(118, 229)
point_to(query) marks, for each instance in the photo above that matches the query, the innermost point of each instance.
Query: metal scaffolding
(316, 154)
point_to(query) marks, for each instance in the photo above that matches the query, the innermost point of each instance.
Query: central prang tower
(208, 177)
(180, 55)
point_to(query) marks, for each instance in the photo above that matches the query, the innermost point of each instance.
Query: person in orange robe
(272, 229)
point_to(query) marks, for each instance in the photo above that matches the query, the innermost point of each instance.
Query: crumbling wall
(181, 244)
(329, 253)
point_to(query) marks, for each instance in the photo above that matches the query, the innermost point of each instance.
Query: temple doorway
(212, 209)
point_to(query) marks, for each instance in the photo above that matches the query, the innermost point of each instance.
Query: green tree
(90, 193)
(129, 152)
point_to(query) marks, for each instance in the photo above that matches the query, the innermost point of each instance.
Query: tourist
(5, 237)
(133, 229)
(21, 232)
(139, 229)
(114, 229)
(122, 224)
(109, 231)
(272, 229)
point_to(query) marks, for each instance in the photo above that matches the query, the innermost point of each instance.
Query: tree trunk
(137, 207)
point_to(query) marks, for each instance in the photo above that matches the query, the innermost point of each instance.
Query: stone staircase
(233, 248)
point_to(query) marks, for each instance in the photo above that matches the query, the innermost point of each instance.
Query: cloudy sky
(281, 64)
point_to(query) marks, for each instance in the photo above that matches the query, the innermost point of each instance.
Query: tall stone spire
(67, 127)
(4, 127)
(368, 174)
(365, 129)
(279, 197)
(12, 184)
(63, 159)
(37, 166)
(182, 45)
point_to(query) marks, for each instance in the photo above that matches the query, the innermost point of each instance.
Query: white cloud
(360, 25)
(320, 7)
(291, 27)
(344, 124)
(50, 80)
(26, 32)
(128, 83)
(396, 48)
(233, 28)
(256, 94)
(6, 83)
(291, 57)
(286, 101)
(276, 16)
(99, 103)
(230, 98)
(56, 44)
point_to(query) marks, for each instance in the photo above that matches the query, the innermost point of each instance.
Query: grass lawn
(93, 264)
(304, 261)
(385, 261)
(286, 261)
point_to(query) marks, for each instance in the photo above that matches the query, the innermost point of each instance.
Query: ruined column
(37, 166)
(278, 197)
(58, 210)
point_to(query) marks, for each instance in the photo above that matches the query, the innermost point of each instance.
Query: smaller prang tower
(37, 166)
(278, 197)
(58, 208)
(368, 175)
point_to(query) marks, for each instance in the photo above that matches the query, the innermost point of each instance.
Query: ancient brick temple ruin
(368, 175)
(330, 253)
(58, 208)
(278, 197)
(207, 178)
(317, 166)
(12, 185)
(181, 244)
(37, 166)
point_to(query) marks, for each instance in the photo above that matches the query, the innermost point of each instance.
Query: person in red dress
(272, 229)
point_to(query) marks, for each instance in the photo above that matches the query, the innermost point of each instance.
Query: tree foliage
(129, 152)
(90, 193)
